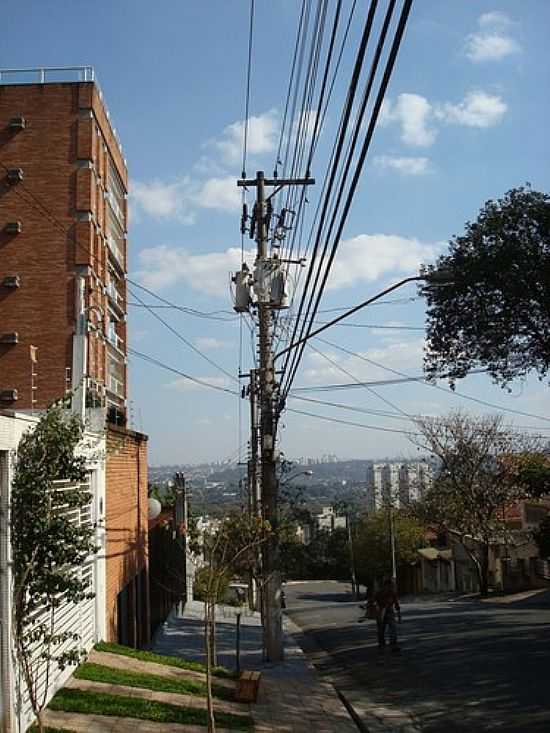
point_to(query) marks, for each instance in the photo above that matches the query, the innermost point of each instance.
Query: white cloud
(406, 165)
(400, 354)
(263, 132)
(186, 385)
(163, 266)
(490, 47)
(493, 41)
(219, 193)
(207, 343)
(417, 118)
(477, 109)
(365, 258)
(368, 257)
(181, 199)
(163, 200)
(494, 19)
(413, 113)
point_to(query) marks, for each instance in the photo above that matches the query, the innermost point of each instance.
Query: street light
(307, 472)
(154, 507)
(437, 278)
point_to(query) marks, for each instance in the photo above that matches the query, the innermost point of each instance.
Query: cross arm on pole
(250, 182)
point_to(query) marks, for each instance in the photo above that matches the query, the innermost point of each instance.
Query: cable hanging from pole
(247, 94)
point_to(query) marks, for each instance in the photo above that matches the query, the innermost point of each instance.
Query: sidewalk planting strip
(163, 659)
(182, 686)
(80, 701)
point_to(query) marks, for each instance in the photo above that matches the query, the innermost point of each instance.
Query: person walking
(387, 605)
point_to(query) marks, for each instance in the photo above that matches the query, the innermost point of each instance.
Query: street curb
(351, 710)
(365, 718)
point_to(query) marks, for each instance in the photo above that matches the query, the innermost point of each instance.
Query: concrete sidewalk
(292, 699)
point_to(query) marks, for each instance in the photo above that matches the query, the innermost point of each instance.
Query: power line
(186, 309)
(328, 184)
(392, 56)
(183, 339)
(352, 424)
(247, 95)
(435, 386)
(370, 383)
(358, 381)
(168, 368)
(278, 160)
(392, 415)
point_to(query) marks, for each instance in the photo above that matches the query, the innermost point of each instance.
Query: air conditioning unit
(18, 123)
(8, 395)
(15, 175)
(13, 227)
(9, 338)
(11, 281)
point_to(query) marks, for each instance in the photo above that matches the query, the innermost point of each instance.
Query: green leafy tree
(47, 547)
(372, 544)
(496, 312)
(478, 478)
(533, 472)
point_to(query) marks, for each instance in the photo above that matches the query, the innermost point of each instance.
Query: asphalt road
(465, 665)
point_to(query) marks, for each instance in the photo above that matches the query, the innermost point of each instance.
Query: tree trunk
(207, 642)
(40, 722)
(481, 565)
(484, 571)
(213, 651)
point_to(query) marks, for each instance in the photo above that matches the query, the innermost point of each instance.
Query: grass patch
(127, 651)
(98, 703)
(102, 673)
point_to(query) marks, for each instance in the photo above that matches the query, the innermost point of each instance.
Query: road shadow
(321, 598)
(463, 667)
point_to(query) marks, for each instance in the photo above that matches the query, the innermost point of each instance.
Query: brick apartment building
(63, 255)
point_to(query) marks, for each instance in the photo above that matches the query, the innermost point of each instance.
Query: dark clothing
(387, 603)
(386, 620)
(387, 598)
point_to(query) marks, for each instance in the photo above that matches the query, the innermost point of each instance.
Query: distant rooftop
(56, 75)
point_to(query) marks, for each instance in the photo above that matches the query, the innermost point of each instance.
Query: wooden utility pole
(254, 496)
(264, 269)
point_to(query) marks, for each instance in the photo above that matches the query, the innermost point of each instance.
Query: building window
(115, 193)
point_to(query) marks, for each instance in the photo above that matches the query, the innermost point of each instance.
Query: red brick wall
(62, 128)
(126, 518)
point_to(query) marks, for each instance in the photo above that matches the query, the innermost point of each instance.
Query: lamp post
(436, 278)
(307, 472)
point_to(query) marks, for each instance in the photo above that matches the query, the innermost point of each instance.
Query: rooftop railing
(47, 75)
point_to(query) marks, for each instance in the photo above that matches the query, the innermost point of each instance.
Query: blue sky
(464, 122)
